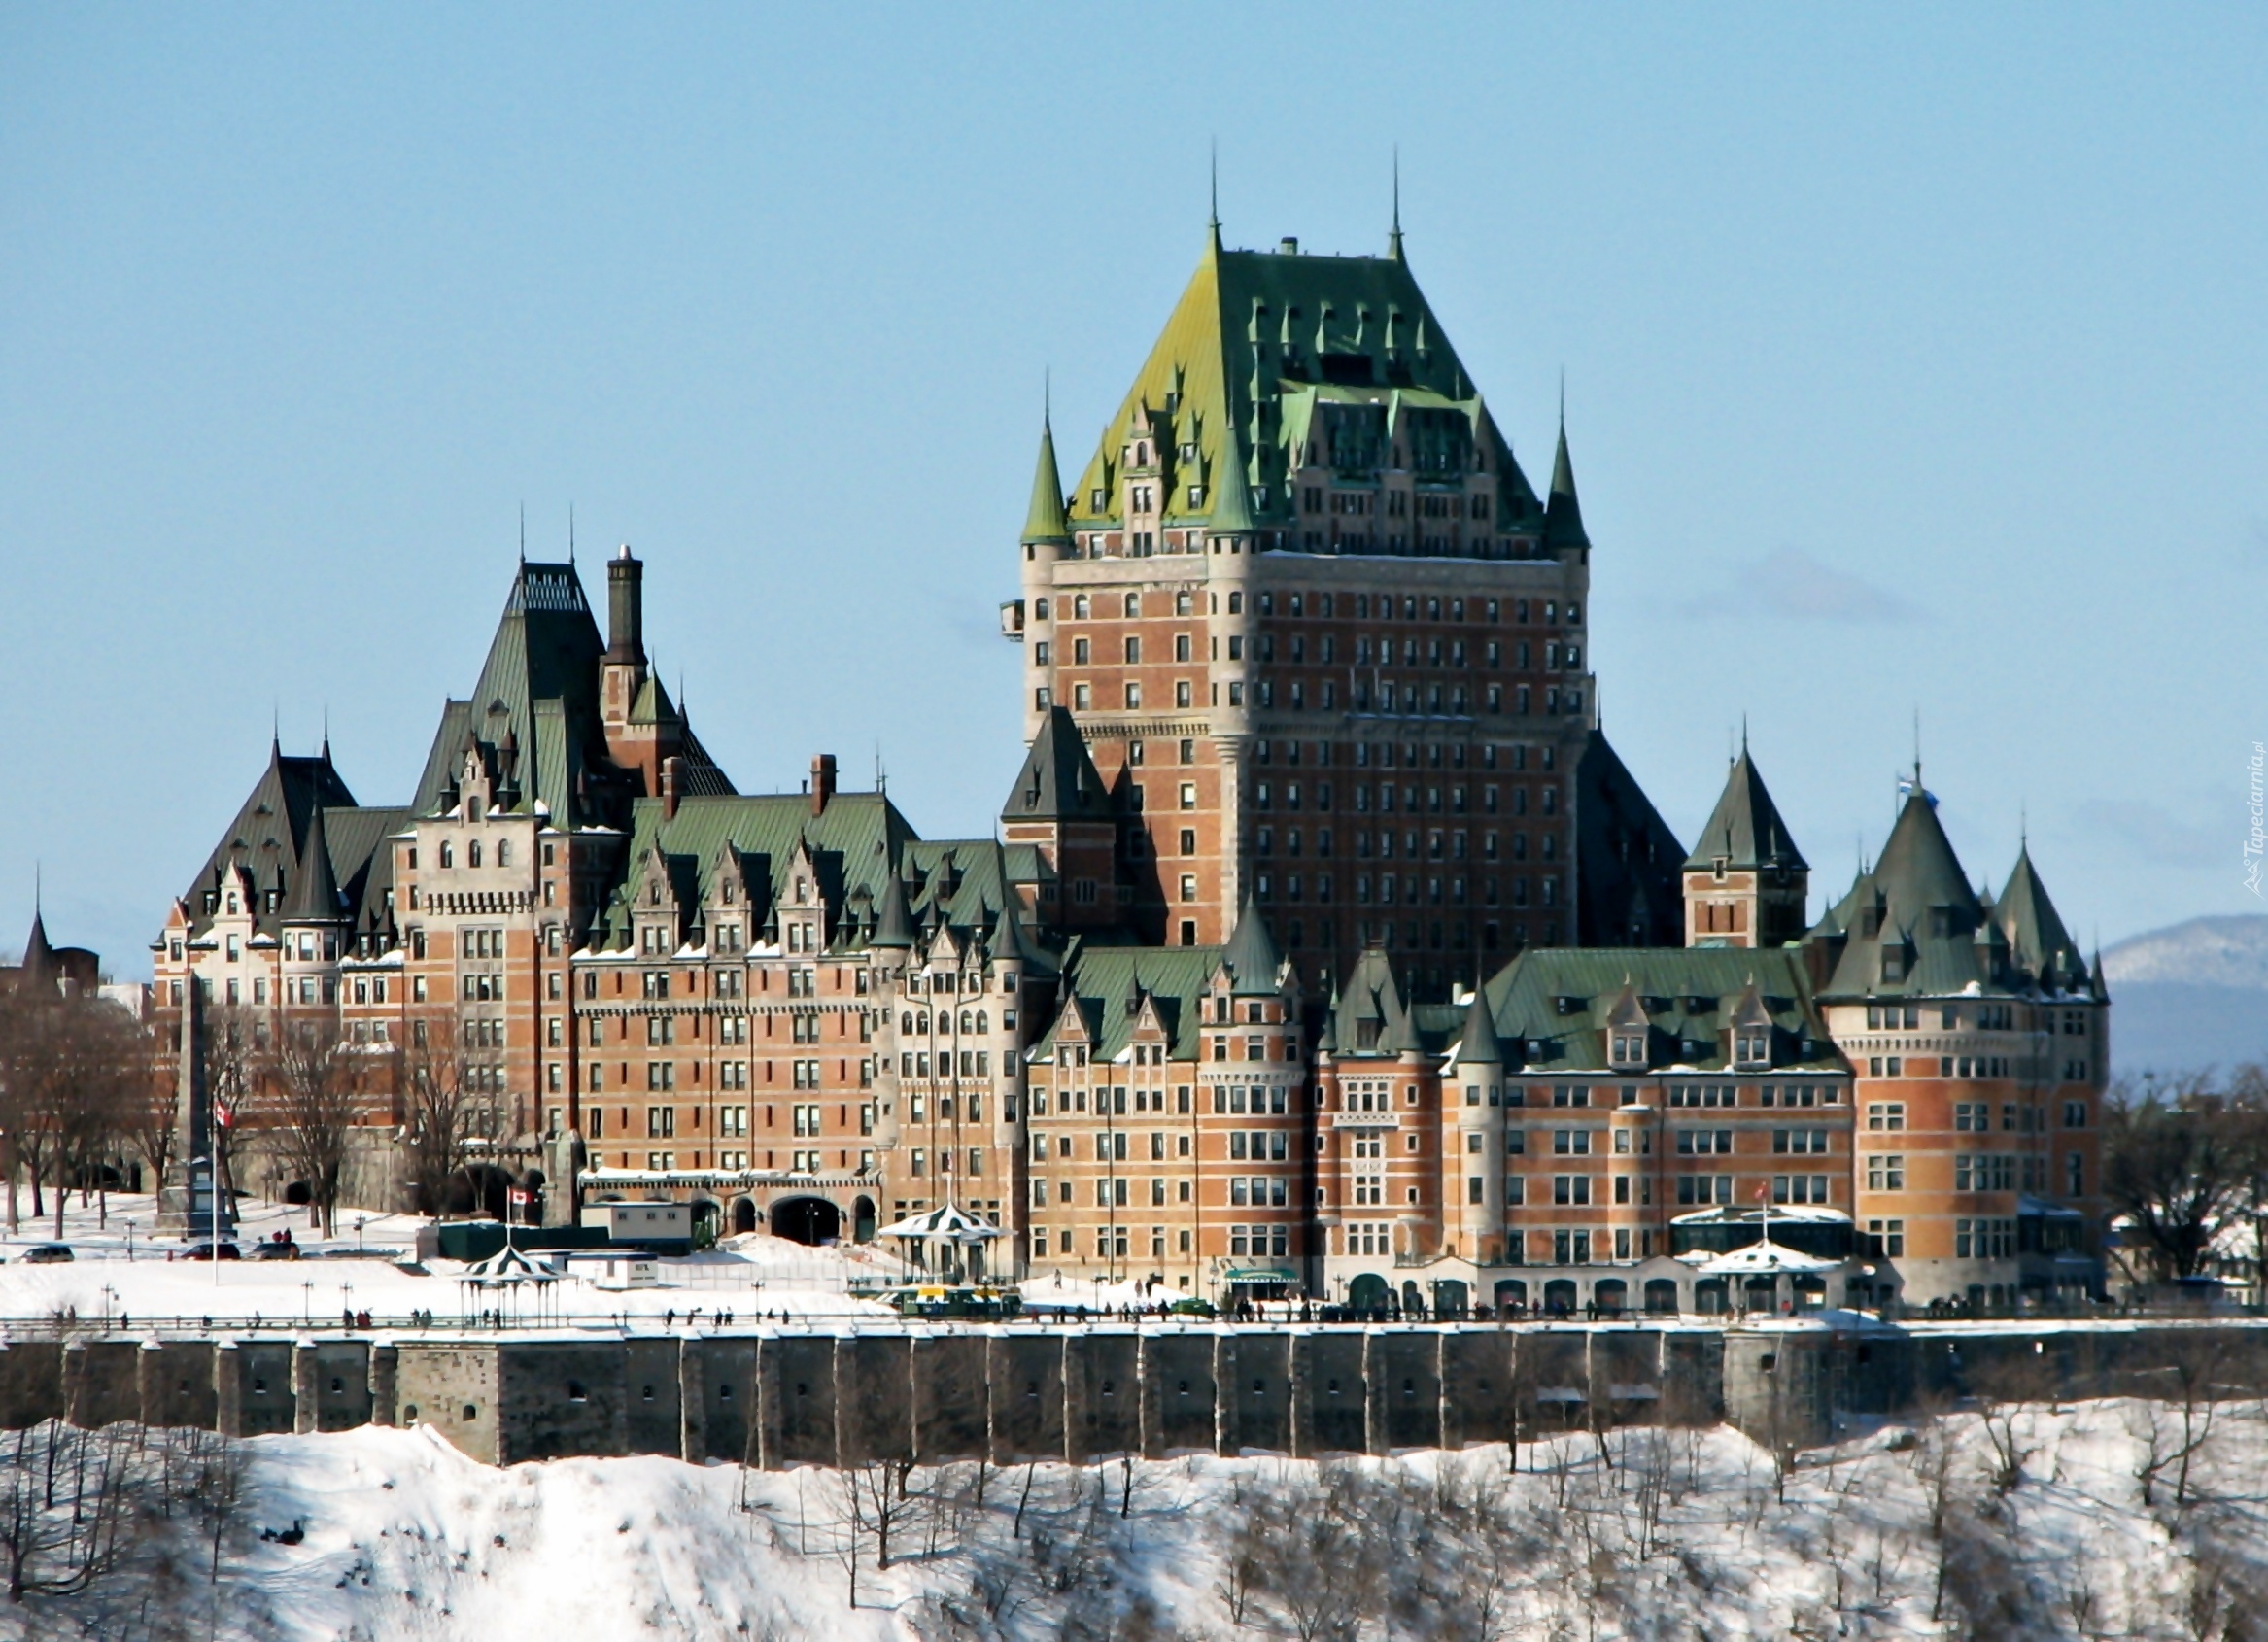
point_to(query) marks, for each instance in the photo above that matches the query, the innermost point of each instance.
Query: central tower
(1322, 641)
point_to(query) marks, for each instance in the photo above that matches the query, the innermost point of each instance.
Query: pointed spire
(893, 924)
(1213, 220)
(327, 731)
(39, 955)
(1251, 958)
(1745, 829)
(1232, 505)
(1562, 514)
(1046, 520)
(1008, 937)
(1479, 1045)
(314, 897)
(1393, 237)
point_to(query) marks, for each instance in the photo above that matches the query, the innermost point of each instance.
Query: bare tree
(313, 1088)
(2172, 1167)
(439, 1121)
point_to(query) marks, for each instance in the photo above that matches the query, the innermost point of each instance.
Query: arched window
(472, 853)
(503, 852)
(980, 1022)
(906, 1023)
(448, 855)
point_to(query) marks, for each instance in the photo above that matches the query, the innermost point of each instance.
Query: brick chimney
(822, 781)
(673, 775)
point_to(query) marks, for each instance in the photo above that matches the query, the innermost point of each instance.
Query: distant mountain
(2188, 996)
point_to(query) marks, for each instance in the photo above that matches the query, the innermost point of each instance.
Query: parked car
(204, 1251)
(1189, 1306)
(49, 1253)
(273, 1251)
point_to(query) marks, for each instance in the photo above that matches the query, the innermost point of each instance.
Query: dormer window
(1717, 869)
(1627, 1048)
(231, 903)
(1752, 1047)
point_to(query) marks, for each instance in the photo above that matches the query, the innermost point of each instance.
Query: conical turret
(1562, 514)
(1046, 520)
(314, 897)
(1478, 1043)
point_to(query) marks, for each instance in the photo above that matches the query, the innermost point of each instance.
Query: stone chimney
(625, 610)
(822, 781)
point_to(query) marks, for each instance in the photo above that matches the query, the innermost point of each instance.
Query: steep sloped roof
(1058, 781)
(1044, 520)
(1257, 341)
(1687, 996)
(2037, 938)
(313, 895)
(1628, 891)
(268, 835)
(1106, 984)
(1745, 830)
(1252, 957)
(1563, 513)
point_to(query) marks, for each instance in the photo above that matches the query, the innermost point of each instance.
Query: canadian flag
(222, 1115)
(1762, 1192)
(519, 1199)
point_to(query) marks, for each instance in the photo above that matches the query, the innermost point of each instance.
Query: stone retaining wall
(778, 1397)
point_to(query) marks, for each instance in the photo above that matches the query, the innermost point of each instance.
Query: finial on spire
(1563, 401)
(1743, 734)
(523, 534)
(327, 731)
(1213, 219)
(1047, 397)
(1917, 747)
(570, 533)
(1394, 238)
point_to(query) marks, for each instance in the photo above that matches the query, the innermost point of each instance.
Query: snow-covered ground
(118, 1271)
(1905, 1533)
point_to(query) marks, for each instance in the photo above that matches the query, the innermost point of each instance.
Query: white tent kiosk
(948, 1228)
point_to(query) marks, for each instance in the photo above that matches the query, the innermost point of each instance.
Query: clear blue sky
(1915, 360)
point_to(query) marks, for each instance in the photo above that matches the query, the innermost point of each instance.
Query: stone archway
(1368, 1294)
(808, 1220)
(863, 1221)
(743, 1215)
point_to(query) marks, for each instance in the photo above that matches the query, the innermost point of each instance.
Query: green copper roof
(1253, 961)
(1562, 514)
(1745, 830)
(1256, 343)
(1108, 985)
(1044, 520)
(1687, 997)
(1058, 781)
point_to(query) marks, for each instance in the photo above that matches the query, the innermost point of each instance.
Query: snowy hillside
(2026, 1522)
(2190, 996)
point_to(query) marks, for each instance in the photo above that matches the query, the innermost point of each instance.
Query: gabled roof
(1058, 781)
(268, 837)
(1107, 987)
(1745, 830)
(1368, 1015)
(534, 711)
(1686, 995)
